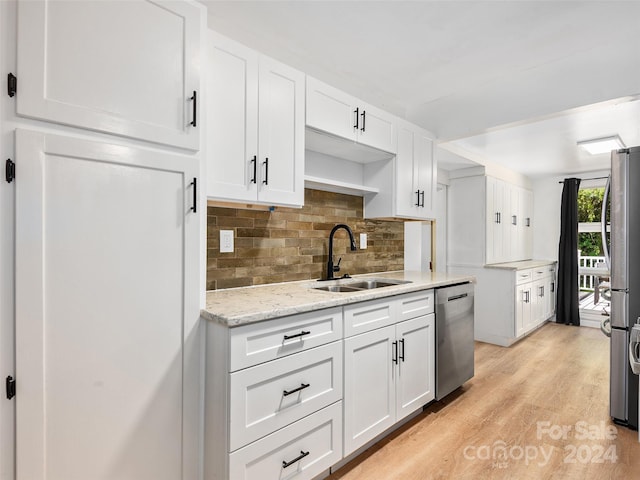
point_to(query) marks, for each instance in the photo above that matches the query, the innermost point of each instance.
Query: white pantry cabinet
(333, 111)
(490, 221)
(407, 183)
(255, 132)
(389, 371)
(127, 68)
(107, 311)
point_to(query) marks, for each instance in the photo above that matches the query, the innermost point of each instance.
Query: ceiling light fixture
(597, 146)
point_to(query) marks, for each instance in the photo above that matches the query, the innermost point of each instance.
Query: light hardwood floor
(559, 375)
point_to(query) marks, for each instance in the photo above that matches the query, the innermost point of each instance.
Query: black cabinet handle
(394, 357)
(254, 160)
(527, 222)
(357, 112)
(195, 107)
(402, 354)
(194, 207)
(553, 287)
(301, 387)
(422, 203)
(514, 220)
(301, 334)
(303, 454)
(417, 198)
(266, 171)
(364, 117)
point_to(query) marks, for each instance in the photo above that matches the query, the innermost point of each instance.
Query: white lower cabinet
(271, 395)
(389, 373)
(533, 291)
(288, 398)
(300, 451)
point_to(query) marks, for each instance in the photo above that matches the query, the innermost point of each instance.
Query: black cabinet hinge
(12, 84)
(11, 387)
(10, 170)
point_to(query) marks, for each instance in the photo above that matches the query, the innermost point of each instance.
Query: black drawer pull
(266, 171)
(364, 117)
(418, 198)
(357, 112)
(301, 387)
(194, 207)
(301, 334)
(303, 454)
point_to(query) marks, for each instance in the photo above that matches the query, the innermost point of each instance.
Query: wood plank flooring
(559, 375)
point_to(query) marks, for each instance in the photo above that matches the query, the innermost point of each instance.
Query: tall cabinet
(107, 261)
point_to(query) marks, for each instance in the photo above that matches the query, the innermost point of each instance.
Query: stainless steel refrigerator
(623, 260)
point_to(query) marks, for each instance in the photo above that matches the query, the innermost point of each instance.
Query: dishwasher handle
(457, 297)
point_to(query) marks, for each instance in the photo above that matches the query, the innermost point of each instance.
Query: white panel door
(376, 128)
(415, 385)
(523, 308)
(407, 196)
(232, 119)
(369, 386)
(425, 167)
(107, 355)
(280, 134)
(128, 68)
(331, 110)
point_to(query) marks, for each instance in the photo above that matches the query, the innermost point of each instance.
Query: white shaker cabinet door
(281, 113)
(232, 119)
(331, 110)
(107, 317)
(128, 67)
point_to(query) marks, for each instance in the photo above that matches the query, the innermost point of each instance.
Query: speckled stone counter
(521, 265)
(239, 306)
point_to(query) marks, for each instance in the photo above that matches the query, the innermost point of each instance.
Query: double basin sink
(359, 285)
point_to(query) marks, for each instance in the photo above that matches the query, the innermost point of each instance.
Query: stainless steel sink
(338, 288)
(358, 286)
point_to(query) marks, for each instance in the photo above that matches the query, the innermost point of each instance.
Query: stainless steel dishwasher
(454, 337)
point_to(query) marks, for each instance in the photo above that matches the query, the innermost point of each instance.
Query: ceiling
(515, 83)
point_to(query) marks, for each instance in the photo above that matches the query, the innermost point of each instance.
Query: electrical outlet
(226, 241)
(363, 241)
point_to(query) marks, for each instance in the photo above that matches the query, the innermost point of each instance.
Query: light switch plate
(226, 241)
(363, 241)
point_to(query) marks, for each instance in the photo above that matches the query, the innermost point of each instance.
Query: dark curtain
(568, 303)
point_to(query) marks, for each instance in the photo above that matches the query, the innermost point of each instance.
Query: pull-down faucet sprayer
(331, 268)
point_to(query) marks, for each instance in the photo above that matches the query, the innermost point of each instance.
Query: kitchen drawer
(318, 437)
(367, 316)
(524, 276)
(263, 341)
(259, 403)
(413, 305)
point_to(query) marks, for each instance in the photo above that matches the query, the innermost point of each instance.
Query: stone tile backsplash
(291, 243)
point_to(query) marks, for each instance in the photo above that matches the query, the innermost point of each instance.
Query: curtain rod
(586, 179)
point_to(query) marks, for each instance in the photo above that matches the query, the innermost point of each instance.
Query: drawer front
(540, 272)
(260, 342)
(367, 316)
(315, 440)
(413, 305)
(272, 395)
(523, 276)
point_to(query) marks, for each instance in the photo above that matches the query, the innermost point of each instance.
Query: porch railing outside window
(586, 280)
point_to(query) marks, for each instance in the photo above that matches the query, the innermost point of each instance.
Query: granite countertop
(524, 264)
(239, 306)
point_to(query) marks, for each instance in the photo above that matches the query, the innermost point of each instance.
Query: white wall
(547, 198)
(417, 246)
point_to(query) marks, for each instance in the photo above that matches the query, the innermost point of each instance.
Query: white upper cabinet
(408, 183)
(255, 114)
(333, 111)
(489, 221)
(127, 68)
